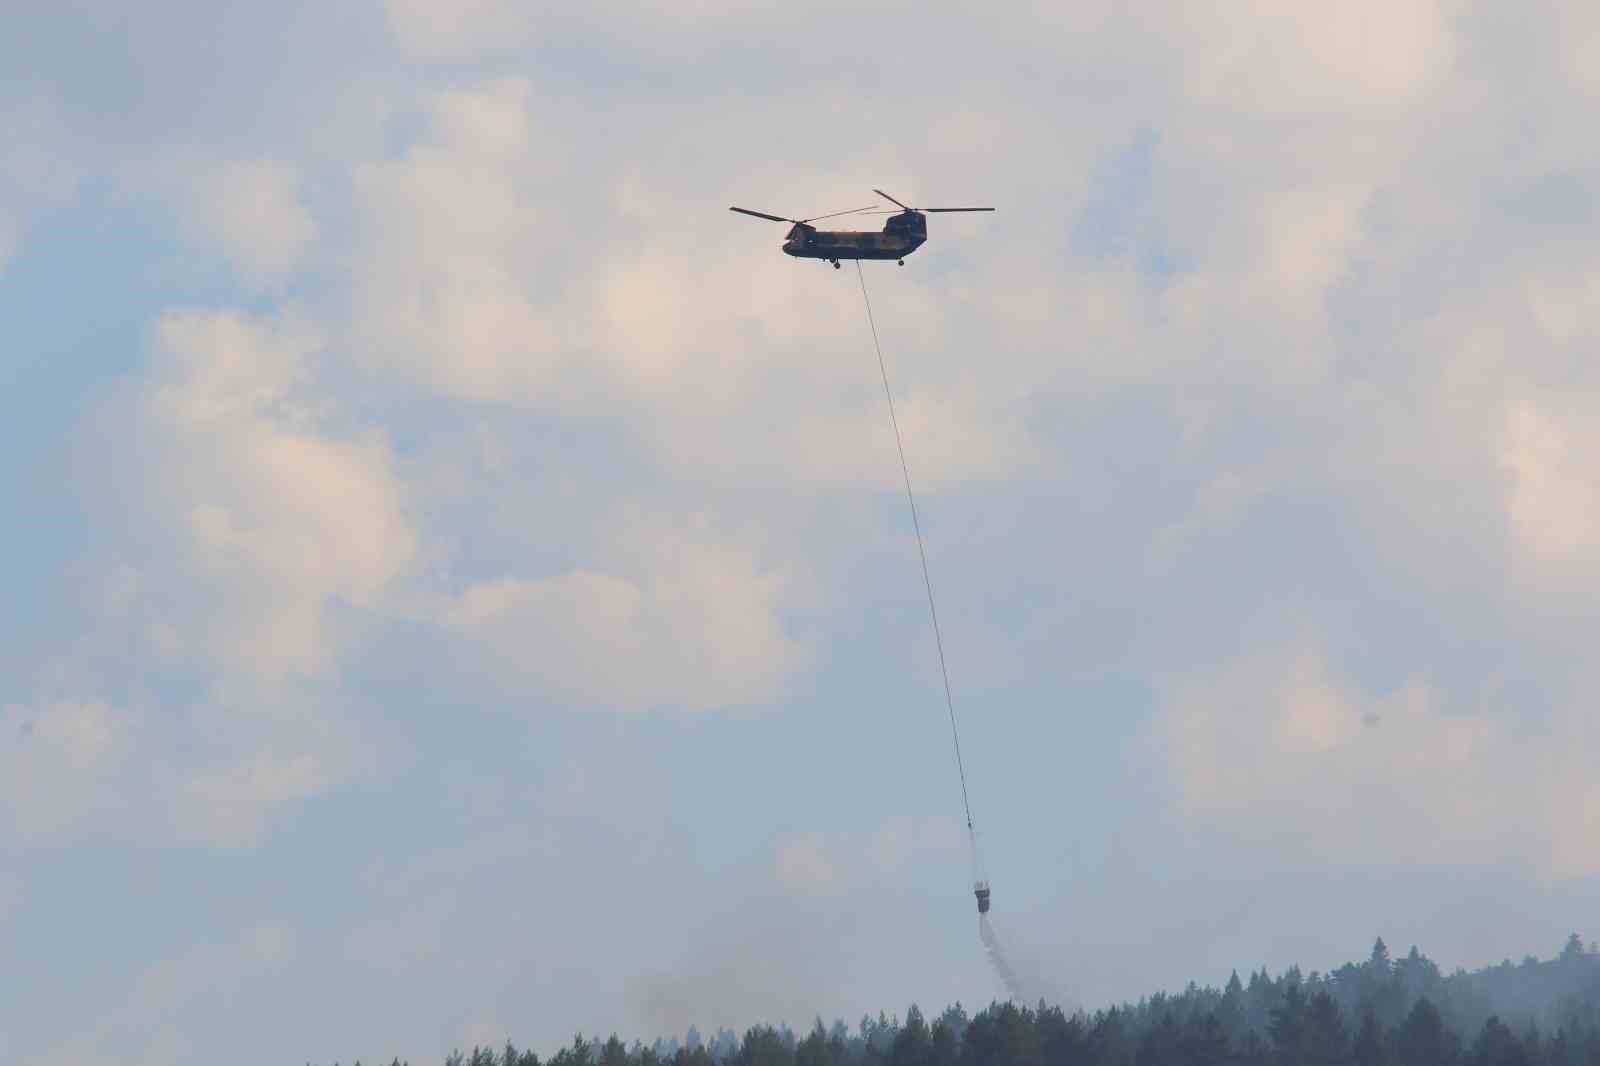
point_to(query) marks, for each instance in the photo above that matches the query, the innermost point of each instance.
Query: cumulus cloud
(460, 31)
(1276, 749)
(489, 269)
(72, 771)
(454, 283)
(489, 266)
(253, 518)
(1554, 501)
(694, 625)
(278, 514)
(232, 801)
(253, 211)
(56, 763)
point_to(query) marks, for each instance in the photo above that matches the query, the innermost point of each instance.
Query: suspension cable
(922, 553)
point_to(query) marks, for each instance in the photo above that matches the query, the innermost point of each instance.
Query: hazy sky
(455, 579)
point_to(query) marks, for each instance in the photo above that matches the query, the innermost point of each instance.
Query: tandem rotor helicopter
(904, 231)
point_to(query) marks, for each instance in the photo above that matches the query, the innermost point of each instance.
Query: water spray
(997, 959)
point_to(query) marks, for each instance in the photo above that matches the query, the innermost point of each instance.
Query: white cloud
(207, 775)
(274, 514)
(1554, 504)
(1275, 749)
(232, 801)
(61, 765)
(451, 284)
(252, 209)
(457, 30)
(254, 523)
(692, 625)
(489, 269)
(1370, 59)
(1489, 422)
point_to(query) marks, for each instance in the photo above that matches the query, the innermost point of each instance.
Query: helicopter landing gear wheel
(836, 264)
(902, 262)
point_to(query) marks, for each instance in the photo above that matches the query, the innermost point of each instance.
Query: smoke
(997, 959)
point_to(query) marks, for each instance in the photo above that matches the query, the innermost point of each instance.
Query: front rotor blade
(891, 199)
(947, 209)
(760, 214)
(836, 214)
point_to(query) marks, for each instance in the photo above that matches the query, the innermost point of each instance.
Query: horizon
(1369, 1004)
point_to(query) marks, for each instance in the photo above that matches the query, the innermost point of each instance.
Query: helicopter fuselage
(904, 231)
(902, 234)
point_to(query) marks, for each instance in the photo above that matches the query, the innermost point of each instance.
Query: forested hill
(1381, 1012)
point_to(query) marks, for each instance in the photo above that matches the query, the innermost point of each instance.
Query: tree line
(1380, 1012)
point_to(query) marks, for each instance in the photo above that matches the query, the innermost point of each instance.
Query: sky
(457, 583)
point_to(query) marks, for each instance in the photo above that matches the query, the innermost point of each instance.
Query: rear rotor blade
(891, 199)
(948, 209)
(836, 214)
(761, 214)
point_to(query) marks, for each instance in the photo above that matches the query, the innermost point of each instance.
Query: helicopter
(904, 231)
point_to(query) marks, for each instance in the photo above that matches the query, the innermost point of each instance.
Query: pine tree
(1061, 1039)
(945, 1045)
(1110, 1043)
(1262, 997)
(1379, 962)
(1559, 1052)
(1231, 1010)
(1160, 1045)
(613, 1052)
(913, 1044)
(813, 1050)
(762, 1046)
(1422, 1040)
(1368, 1049)
(1287, 1026)
(694, 1053)
(1205, 1042)
(1497, 1045)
